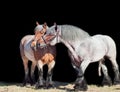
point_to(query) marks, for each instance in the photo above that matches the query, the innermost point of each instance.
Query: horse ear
(55, 26)
(37, 23)
(45, 25)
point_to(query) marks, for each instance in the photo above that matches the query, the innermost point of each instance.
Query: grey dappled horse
(85, 49)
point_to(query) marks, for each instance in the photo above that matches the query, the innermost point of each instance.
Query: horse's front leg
(49, 82)
(40, 83)
(80, 83)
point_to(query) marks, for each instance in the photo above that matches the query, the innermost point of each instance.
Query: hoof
(81, 85)
(39, 87)
(116, 82)
(50, 86)
(32, 83)
(107, 82)
(78, 87)
(23, 84)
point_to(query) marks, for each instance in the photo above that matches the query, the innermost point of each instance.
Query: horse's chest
(45, 54)
(47, 58)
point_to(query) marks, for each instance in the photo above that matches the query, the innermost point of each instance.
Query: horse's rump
(25, 49)
(96, 47)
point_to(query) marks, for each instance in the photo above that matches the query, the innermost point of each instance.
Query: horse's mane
(69, 32)
(72, 33)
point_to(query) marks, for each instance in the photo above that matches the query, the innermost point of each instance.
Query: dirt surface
(59, 87)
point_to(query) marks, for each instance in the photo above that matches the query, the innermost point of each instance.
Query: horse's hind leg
(25, 63)
(49, 82)
(33, 66)
(112, 57)
(106, 78)
(116, 71)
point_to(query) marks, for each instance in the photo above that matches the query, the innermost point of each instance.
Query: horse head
(54, 34)
(39, 30)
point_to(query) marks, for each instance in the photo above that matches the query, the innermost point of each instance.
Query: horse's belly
(29, 56)
(93, 52)
(97, 58)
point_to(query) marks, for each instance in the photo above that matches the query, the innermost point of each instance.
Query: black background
(96, 18)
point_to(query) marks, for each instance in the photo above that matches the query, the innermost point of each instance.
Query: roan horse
(44, 54)
(85, 51)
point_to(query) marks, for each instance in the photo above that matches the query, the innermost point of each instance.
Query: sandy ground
(60, 87)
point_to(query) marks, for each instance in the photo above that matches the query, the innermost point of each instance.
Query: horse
(39, 57)
(85, 49)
